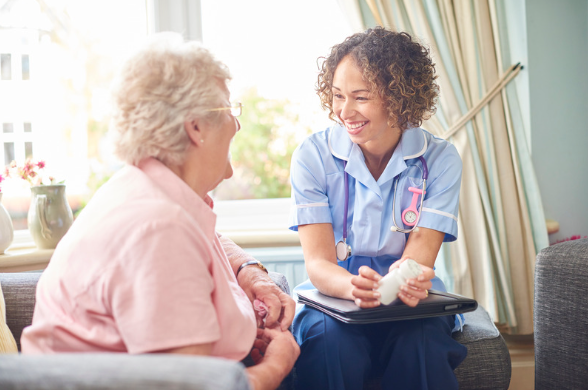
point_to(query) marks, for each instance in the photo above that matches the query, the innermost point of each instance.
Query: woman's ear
(194, 132)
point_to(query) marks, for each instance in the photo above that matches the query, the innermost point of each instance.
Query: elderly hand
(258, 285)
(415, 289)
(274, 353)
(273, 344)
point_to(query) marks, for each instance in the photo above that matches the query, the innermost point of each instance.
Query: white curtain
(501, 221)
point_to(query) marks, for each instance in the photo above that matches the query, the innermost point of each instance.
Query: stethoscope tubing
(346, 179)
(394, 228)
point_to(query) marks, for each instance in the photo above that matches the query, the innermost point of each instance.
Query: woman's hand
(274, 353)
(415, 289)
(258, 285)
(364, 287)
(275, 344)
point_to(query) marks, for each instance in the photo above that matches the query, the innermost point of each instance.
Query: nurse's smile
(355, 128)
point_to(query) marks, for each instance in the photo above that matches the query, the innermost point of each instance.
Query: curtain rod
(499, 86)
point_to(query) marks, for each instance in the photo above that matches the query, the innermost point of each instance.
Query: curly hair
(395, 67)
(164, 84)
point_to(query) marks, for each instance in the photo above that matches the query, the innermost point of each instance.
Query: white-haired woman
(142, 268)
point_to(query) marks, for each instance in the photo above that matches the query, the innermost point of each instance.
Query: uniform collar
(413, 144)
(180, 193)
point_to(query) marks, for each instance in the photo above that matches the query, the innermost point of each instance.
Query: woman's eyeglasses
(236, 109)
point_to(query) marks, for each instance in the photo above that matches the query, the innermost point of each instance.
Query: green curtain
(501, 220)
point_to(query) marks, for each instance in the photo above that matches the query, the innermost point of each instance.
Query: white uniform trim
(419, 153)
(443, 213)
(303, 206)
(344, 158)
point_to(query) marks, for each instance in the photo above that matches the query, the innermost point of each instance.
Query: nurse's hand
(364, 287)
(415, 289)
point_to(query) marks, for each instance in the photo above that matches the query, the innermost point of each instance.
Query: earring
(201, 141)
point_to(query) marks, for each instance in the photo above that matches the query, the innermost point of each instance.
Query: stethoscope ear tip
(393, 229)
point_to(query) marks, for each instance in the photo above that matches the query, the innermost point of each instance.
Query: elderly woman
(142, 269)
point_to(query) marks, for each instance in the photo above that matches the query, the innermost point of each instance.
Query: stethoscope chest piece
(343, 250)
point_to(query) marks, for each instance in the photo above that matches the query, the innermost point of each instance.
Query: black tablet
(436, 304)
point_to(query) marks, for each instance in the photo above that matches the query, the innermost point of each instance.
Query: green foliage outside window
(262, 150)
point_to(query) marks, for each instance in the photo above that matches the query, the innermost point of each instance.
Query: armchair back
(561, 316)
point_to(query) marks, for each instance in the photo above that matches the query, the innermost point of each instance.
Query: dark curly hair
(395, 67)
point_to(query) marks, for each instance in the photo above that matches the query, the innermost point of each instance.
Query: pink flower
(31, 171)
(29, 166)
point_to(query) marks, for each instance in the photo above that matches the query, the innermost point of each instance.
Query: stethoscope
(410, 216)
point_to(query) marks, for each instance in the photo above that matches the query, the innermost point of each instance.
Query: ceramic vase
(50, 215)
(6, 228)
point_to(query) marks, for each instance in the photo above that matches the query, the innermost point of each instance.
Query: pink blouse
(141, 270)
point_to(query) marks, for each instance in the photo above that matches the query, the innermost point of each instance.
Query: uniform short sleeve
(441, 204)
(160, 290)
(310, 203)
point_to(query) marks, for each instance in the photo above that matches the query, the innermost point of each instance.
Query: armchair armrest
(281, 281)
(120, 371)
(561, 316)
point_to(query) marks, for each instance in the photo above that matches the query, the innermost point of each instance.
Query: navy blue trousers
(413, 354)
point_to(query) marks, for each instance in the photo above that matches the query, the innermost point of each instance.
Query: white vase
(6, 229)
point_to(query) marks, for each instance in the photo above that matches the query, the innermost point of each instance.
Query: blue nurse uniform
(415, 354)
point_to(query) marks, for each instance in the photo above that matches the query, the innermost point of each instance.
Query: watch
(251, 262)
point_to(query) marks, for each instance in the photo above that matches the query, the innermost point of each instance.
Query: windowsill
(23, 255)
(256, 223)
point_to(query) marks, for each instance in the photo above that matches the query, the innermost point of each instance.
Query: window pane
(25, 67)
(28, 128)
(28, 150)
(6, 66)
(280, 106)
(8, 152)
(7, 128)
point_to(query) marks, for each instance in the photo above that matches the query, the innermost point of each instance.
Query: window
(18, 141)
(25, 67)
(8, 152)
(271, 49)
(59, 113)
(28, 150)
(6, 66)
(7, 128)
(61, 67)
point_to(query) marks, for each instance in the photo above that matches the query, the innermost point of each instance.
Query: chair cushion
(19, 294)
(7, 343)
(487, 365)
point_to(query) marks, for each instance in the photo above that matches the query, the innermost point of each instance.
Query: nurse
(378, 86)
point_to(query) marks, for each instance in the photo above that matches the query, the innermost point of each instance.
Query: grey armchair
(561, 316)
(487, 365)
